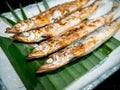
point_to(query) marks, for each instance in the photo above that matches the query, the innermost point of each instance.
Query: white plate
(88, 81)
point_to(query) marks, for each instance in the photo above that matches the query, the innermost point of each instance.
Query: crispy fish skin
(57, 27)
(79, 48)
(49, 16)
(51, 45)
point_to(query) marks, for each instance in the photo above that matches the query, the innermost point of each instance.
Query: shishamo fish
(61, 41)
(49, 16)
(79, 48)
(57, 28)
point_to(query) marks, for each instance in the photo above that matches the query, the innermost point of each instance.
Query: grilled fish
(57, 28)
(79, 48)
(49, 16)
(60, 41)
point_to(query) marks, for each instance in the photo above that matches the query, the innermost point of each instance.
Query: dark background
(14, 4)
(112, 83)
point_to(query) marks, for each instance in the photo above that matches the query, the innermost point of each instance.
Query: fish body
(51, 45)
(49, 16)
(79, 48)
(57, 28)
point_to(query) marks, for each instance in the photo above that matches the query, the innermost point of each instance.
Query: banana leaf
(13, 12)
(45, 4)
(11, 22)
(56, 80)
(24, 16)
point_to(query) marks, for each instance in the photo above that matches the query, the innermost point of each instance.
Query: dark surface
(14, 4)
(112, 83)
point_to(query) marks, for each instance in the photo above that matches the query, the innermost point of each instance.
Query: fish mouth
(12, 30)
(46, 68)
(35, 55)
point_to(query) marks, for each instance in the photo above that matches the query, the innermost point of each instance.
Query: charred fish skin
(57, 28)
(49, 16)
(79, 48)
(51, 45)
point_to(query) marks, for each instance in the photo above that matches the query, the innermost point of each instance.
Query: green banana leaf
(56, 80)
(13, 12)
(45, 4)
